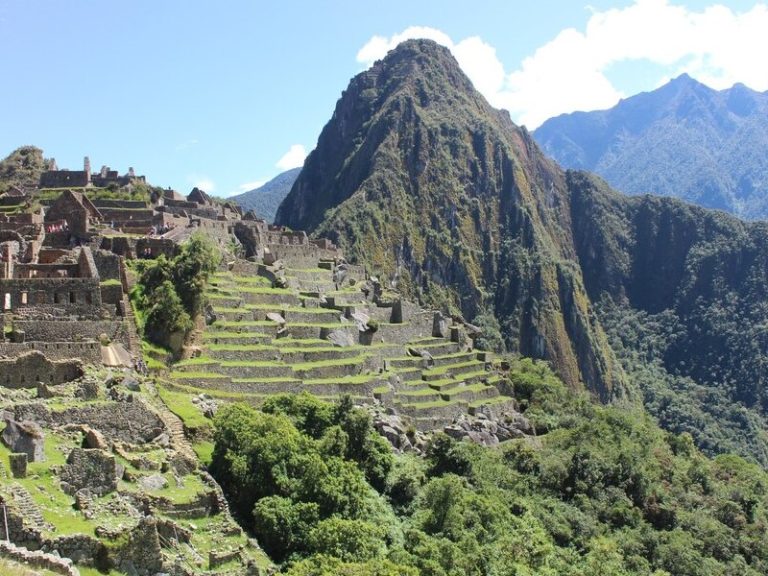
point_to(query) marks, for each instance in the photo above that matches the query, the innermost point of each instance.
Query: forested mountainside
(683, 139)
(418, 177)
(265, 199)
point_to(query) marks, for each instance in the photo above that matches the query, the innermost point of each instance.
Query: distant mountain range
(265, 199)
(684, 139)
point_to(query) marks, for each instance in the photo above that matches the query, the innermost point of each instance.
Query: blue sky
(228, 94)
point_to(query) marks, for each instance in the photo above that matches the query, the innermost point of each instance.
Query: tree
(349, 540)
(166, 316)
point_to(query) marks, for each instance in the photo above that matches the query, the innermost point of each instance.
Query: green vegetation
(169, 293)
(602, 491)
(22, 168)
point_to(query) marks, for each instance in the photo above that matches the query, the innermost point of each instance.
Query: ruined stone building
(74, 210)
(55, 178)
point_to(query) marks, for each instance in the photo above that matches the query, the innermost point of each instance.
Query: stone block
(18, 464)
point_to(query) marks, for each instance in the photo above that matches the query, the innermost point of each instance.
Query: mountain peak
(418, 178)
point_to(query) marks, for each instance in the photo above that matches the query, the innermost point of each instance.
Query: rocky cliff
(418, 177)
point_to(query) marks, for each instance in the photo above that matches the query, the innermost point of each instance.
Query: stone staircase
(27, 507)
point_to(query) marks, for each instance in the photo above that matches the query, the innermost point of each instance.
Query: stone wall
(300, 256)
(37, 559)
(88, 352)
(89, 468)
(107, 265)
(111, 294)
(134, 247)
(33, 291)
(130, 422)
(64, 179)
(66, 331)
(27, 370)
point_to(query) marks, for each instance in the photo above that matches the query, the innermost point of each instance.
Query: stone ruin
(55, 178)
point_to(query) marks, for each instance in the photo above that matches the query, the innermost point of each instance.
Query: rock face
(418, 177)
(25, 437)
(683, 139)
(423, 180)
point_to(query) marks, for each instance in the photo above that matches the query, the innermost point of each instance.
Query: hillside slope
(684, 139)
(419, 178)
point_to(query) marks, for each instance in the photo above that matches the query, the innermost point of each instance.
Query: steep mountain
(22, 168)
(684, 139)
(418, 177)
(265, 199)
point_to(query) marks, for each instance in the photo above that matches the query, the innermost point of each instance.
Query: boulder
(153, 482)
(94, 439)
(341, 338)
(26, 437)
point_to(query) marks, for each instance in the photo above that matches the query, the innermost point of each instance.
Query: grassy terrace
(357, 379)
(221, 335)
(432, 404)
(197, 375)
(464, 389)
(451, 367)
(241, 347)
(287, 308)
(321, 363)
(240, 323)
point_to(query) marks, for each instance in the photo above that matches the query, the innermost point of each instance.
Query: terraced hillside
(333, 338)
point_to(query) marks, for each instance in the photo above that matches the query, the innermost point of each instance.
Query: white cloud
(293, 158)
(203, 182)
(716, 45)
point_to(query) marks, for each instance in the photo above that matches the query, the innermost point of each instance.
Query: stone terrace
(262, 340)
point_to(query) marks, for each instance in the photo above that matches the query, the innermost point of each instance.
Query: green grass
(450, 367)
(355, 379)
(433, 404)
(323, 363)
(204, 451)
(197, 376)
(240, 347)
(468, 388)
(181, 404)
(11, 568)
(225, 335)
(43, 486)
(199, 361)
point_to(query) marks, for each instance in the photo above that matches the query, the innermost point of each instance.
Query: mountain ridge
(683, 139)
(418, 178)
(265, 199)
